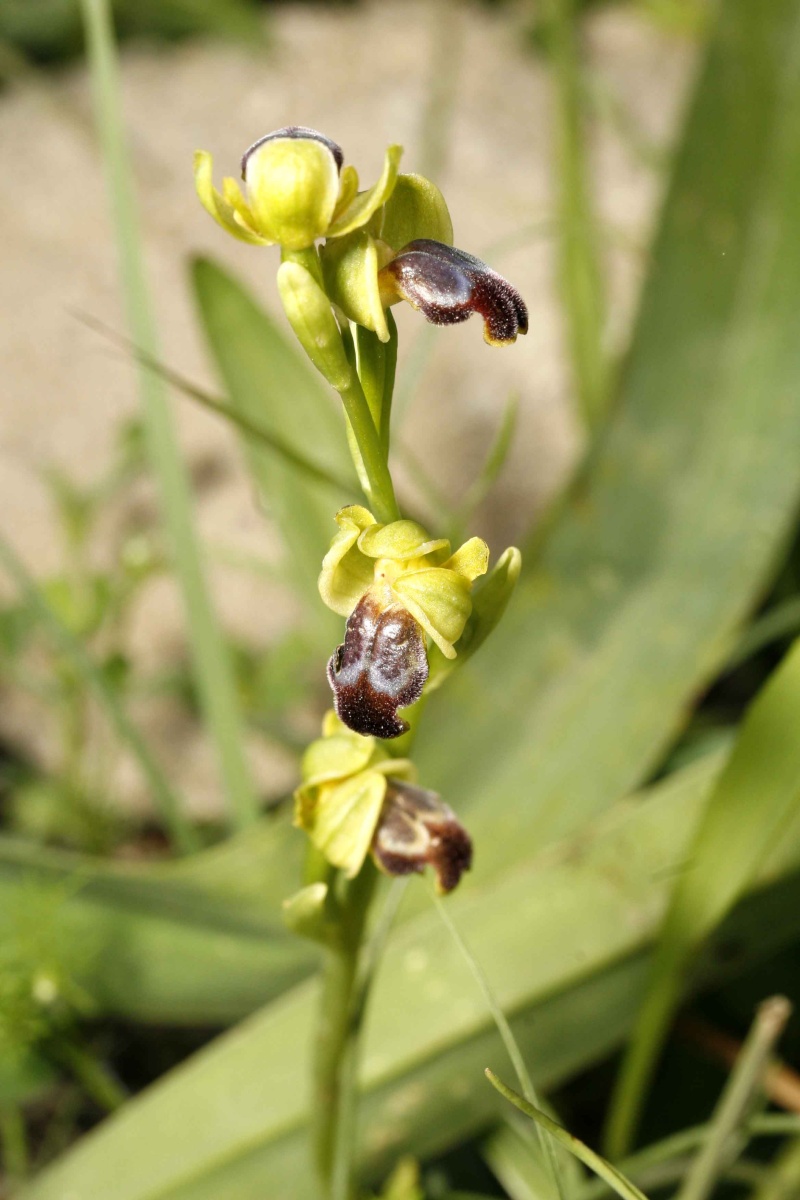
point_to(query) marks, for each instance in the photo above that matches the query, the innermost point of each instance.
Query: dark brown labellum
(416, 829)
(448, 285)
(294, 131)
(381, 666)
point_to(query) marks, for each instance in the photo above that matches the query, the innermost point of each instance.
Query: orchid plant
(414, 607)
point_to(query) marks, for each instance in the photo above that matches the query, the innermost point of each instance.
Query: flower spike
(448, 285)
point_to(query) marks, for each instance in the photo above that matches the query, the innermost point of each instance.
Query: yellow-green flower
(356, 799)
(395, 584)
(341, 797)
(297, 190)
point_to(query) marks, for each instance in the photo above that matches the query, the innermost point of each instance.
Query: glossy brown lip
(381, 666)
(417, 829)
(448, 285)
(294, 131)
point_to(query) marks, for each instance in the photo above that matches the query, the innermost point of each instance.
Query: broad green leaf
(755, 801)
(199, 941)
(668, 541)
(235, 1114)
(269, 383)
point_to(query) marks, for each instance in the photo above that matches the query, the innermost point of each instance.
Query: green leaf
(234, 1115)
(270, 384)
(754, 803)
(196, 941)
(669, 539)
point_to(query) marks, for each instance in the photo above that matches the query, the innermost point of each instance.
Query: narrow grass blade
(252, 428)
(754, 800)
(726, 1137)
(581, 281)
(492, 466)
(509, 1041)
(166, 802)
(209, 653)
(783, 1180)
(614, 1178)
(780, 622)
(672, 1151)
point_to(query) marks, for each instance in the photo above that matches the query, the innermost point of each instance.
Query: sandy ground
(364, 76)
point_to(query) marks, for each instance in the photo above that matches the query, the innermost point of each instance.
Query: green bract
(344, 785)
(297, 191)
(402, 564)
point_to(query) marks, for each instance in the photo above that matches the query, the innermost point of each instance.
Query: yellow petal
(399, 540)
(366, 203)
(470, 560)
(336, 757)
(343, 823)
(216, 205)
(232, 195)
(440, 600)
(346, 572)
(348, 186)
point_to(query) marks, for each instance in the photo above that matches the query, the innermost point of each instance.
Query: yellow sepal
(218, 207)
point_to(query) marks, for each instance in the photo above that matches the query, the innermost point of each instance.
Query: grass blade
(604, 1170)
(165, 801)
(581, 281)
(209, 653)
(756, 797)
(509, 1041)
(236, 1114)
(315, 472)
(736, 1101)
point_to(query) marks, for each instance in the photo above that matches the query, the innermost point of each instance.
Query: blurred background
(632, 167)
(469, 92)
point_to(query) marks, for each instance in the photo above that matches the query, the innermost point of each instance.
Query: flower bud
(448, 285)
(416, 829)
(292, 178)
(310, 315)
(297, 190)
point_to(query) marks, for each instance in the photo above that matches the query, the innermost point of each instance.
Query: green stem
(380, 486)
(93, 1076)
(341, 1012)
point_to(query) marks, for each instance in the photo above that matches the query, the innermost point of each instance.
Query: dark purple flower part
(381, 666)
(448, 285)
(294, 131)
(416, 829)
